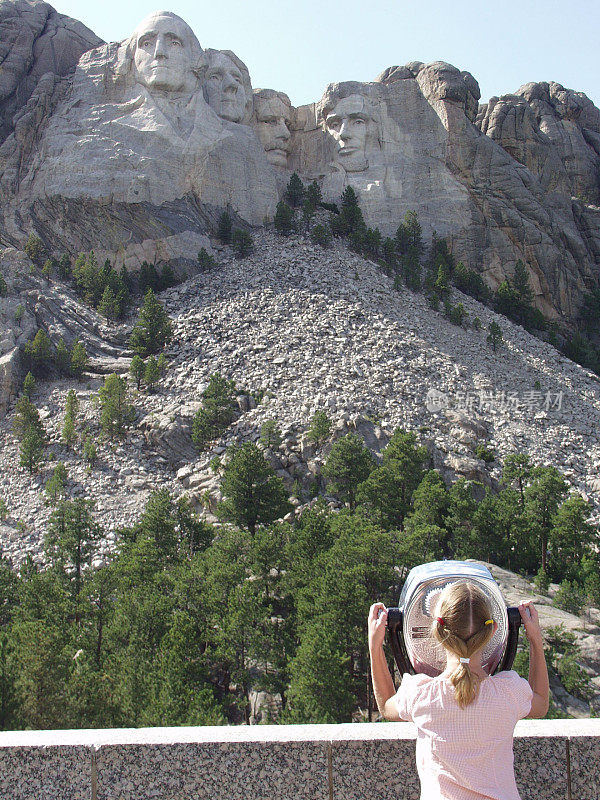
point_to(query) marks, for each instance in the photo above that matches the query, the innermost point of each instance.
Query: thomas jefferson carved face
(352, 126)
(224, 88)
(166, 53)
(273, 117)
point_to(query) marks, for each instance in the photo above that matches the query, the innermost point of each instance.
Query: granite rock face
(139, 151)
(35, 40)
(408, 142)
(150, 135)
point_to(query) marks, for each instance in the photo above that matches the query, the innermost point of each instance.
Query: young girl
(465, 718)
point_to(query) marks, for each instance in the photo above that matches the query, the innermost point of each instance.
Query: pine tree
(89, 450)
(388, 252)
(115, 410)
(89, 280)
(494, 335)
(543, 496)
(270, 434)
(506, 300)
(349, 464)
(350, 212)
(32, 449)
(520, 282)
(63, 357)
(30, 431)
(313, 195)
(242, 243)
(64, 267)
(167, 277)
(108, 305)
(79, 359)
(35, 250)
(319, 428)
(319, 690)
(28, 385)
(321, 235)
(205, 260)
(153, 328)
(414, 231)
(137, 369)
(389, 488)
(47, 270)
(253, 493)
(71, 406)
(55, 487)
(3, 286)
(284, 219)
(308, 212)
(151, 373)
(294, 191)
(217, 412)
(225, 228)
(39, 351)
(517, 467)
(72, 535)
(162, 364)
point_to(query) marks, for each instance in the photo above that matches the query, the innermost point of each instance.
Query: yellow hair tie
(489, 622)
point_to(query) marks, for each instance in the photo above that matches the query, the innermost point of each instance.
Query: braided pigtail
(464, 627)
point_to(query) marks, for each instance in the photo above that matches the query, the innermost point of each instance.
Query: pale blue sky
(302, 46)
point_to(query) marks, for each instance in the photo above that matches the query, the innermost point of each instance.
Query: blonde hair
(460, 627)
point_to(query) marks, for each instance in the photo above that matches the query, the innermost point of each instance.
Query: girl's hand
(377, 623)
(531, 621)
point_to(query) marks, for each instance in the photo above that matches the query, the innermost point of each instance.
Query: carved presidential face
(273, 117)
(166, 52)
(224, 88)
(351, 125)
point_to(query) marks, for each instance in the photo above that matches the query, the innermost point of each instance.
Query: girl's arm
(383, 685)
(538, 671)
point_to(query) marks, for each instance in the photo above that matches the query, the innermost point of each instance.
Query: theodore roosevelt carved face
(351, 124)
(166, 54)
(272, 118)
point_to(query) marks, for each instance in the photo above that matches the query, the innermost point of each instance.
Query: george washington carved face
(166, 54)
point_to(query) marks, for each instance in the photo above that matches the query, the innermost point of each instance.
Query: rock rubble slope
(310, 329)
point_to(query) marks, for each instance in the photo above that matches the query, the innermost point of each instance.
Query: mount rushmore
(135, 148)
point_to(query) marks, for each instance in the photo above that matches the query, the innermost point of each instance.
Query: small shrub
(89, 450)
(570, 597)
(28, 385)
(542, 581)
(319, 428)
(205, 260)
(242, 243)
(321, 235)
(485, 453)
(224, 228)
(270, 434)
(284, 219)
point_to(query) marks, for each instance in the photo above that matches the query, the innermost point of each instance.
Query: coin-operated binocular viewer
(409, 625)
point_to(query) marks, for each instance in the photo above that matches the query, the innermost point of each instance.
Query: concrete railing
(553, 759)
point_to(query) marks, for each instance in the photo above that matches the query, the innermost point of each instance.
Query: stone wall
(558, 759)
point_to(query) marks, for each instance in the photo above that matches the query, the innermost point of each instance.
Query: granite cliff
(135, 148)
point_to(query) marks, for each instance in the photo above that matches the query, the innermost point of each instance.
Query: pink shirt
(465, 753)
